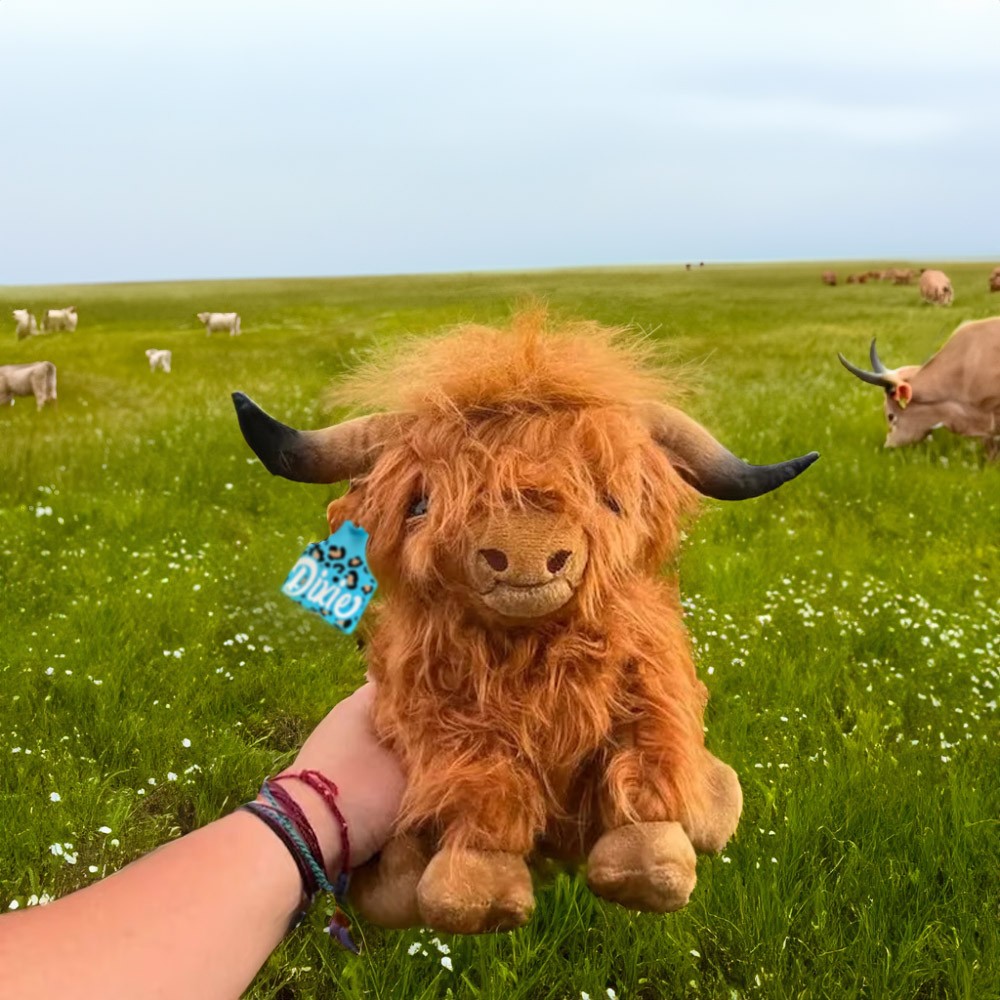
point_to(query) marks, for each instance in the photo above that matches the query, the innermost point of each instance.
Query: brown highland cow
(533, 672)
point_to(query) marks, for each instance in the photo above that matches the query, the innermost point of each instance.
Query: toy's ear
(902, 394)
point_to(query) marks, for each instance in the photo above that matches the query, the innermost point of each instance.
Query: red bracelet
(285, 810)
(328, 791)
(298, 817)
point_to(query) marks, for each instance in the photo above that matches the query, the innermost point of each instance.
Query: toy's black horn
(708, 466)
(328, 455)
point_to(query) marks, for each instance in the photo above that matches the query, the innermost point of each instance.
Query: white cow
(935, 288)
(26, 325)
(36, 379)
(60, 319)
(159, 359)
(221, 321)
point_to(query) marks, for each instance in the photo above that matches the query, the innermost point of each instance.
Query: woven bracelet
(309, 888)
(302, 837)
(281, 800)
(339, 926)
(328, 791)
(286, 818)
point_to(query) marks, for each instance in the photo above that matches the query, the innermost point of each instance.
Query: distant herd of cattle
(958, 388)
(935, 286)
(38, 378)
(67, 319)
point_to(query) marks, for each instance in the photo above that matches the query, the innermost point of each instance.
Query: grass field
(848, 627)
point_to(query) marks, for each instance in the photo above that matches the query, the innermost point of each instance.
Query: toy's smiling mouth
(528, 600)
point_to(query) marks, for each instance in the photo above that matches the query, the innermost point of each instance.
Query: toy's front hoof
(384, 891)
(646, 866)
(710, 829)
(465, 891)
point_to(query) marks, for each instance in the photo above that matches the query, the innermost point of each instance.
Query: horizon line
(558, 268)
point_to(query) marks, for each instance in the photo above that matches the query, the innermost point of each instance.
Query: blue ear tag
(333, 579)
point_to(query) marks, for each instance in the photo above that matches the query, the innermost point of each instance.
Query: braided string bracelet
(328, 791)
(285, 818)
(339, 926)
(309, 887)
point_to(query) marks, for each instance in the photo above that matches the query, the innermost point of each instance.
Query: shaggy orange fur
(540, 734)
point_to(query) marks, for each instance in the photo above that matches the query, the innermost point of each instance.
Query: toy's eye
(612, 504)
(417, 508)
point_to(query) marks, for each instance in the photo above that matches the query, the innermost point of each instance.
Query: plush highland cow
(522, 492)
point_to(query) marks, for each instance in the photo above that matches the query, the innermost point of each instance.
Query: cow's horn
(330, 455)
(872, 378)
(877, 366)
(883, 379)
(708, 466)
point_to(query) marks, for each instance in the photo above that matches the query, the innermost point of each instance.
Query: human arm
(200, 915)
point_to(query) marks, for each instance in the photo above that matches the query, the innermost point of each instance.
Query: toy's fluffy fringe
(547, 733)
(536, 363)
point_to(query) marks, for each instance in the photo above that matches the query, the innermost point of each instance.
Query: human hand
(343, 747)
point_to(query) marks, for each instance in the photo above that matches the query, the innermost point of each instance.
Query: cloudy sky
(147, 139)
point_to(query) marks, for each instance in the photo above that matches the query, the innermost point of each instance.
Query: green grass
(847, 626)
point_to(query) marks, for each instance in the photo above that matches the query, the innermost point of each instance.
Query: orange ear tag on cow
(903, 393)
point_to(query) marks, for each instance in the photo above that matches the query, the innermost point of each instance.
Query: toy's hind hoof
(384, 891)
(710, 828)
(465, 891)
(645, 866)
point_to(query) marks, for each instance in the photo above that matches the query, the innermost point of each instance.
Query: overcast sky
(146, 139)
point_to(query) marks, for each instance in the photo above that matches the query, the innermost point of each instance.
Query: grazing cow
(852, 279)
(995, 280)
(862, 279)
(873, 275)
(60, 319)
(532, 669)
(38, 379)
(935, 288)
(216, 322)
(959, 388)
(159, 359)
(26, 325)
(828, 277)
